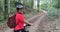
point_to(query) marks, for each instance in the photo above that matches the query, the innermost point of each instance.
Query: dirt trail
(52, 26)
(36, 24)
(2, 29)
(36, 20)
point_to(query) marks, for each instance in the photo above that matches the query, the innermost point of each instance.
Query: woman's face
(21, 10)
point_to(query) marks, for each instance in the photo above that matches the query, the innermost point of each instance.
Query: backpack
(11, 23)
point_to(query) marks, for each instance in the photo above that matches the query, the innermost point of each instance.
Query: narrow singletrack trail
(36, 20)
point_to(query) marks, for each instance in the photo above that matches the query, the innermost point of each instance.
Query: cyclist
(20, 18)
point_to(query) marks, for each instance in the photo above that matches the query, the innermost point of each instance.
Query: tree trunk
(6, 9)
(38, 1)
(32, 3)
(3, 5)
(8, 6)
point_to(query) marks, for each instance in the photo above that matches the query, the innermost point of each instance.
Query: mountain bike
(26, 25)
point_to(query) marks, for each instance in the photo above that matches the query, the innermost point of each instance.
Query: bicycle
(25, 26)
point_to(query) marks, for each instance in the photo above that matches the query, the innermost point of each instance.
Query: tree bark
(3, 5)
(38, 1)
(8, 6)
(32, 3)
(6, 9)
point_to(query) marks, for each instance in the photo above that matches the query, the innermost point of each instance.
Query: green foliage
(52, 9)
(57, 4)
(51, 6)
(52, 13)
(44, 6)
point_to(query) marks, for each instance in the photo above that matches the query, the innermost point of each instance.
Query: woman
(20, 20)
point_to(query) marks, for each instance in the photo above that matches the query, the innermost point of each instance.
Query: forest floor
(4, 28)
(52, 26)
(39, 26)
